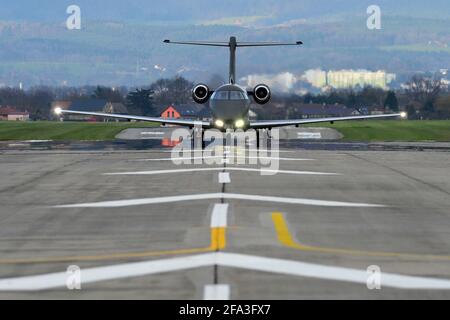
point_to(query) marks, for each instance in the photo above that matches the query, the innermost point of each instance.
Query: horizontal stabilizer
(200, 43)
(238, 44)
(267, 44)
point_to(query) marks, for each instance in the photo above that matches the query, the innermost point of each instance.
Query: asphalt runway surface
(139, 226)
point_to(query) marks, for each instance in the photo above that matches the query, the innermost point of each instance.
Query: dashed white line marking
(219, 215)
(309, 135)
(224, 177)
(18, 145)
(216, 292)
(261, 170)
(222, 259)
(208, 196)
(152, 133)
(33, 141)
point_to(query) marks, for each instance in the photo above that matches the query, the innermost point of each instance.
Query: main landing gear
(258, 136)
(195, 133)
(199, 134)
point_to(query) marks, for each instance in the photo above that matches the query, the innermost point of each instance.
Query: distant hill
(121, 41)
(197, 10)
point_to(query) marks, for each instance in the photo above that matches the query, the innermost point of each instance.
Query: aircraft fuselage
(230, 104)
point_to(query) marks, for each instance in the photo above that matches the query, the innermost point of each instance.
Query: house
(89, 105)
(184, 111)
(11, 114)
(170, 113)
(115, 107)
(307, 111)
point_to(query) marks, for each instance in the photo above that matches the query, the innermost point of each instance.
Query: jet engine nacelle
(261, 94)
(201, 93)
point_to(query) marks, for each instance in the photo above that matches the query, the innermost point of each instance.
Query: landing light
(219, 123)
(239, 123)
(403, 115)
(58, 110)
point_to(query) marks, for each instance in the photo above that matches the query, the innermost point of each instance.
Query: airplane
(230, 102)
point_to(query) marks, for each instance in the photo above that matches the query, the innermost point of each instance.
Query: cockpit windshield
(228, 95)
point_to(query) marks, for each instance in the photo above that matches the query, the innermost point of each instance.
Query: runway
(141, 227)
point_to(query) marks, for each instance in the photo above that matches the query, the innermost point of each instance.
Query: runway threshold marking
(222, 259)
(220, 195)
(218, 242)
(260, 170)
(285, 238)
(216, 292)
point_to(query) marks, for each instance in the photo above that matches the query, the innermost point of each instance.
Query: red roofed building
(170, 113)
(11, 114)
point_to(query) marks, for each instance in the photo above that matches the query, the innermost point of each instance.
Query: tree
(391, 101)
(109, 94)
(425, 92)
(412, 112)
(180, 90)
(428, 110)
(423, 89)
(172, 91)
(351, 99)
(140, 102)
(40, 103)
(443, 106)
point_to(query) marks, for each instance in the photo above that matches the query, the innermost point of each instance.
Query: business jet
(230, 102)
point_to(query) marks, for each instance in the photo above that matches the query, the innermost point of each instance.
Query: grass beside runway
(53, 130)
(367, 130)
(391, 130)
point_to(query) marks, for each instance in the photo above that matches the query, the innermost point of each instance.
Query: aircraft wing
(180, 122)
(267, 124)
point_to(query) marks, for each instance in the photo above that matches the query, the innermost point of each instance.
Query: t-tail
(233, 44)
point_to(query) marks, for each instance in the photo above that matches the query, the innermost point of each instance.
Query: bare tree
(423, 90)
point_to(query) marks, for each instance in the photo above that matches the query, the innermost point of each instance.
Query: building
(90, 105)
(307, 111)
(170, 113)
(344, 79)
(11, 114)
(115, 107)
(185, 111)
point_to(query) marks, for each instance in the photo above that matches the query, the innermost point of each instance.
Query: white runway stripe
(219, 215)
(220, 157)
(216, 292)
(208, 196)
(154, 172)
(311, 270)
(56, 280)
(222, 259)
(224, 177)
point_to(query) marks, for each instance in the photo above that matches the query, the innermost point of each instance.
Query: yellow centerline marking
(218, 239)
(285, 238)
(218, 242)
